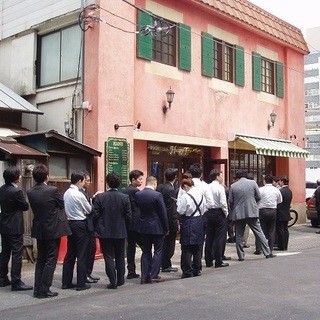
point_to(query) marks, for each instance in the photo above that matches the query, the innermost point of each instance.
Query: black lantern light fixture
(273, 117)
(170, 95)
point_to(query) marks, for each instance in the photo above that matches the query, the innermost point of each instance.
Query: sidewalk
(302, 237)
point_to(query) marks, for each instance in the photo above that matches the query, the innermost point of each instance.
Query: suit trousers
(254, 225)
(216, 235)
(268, 218)
(134, 239)
(91, 252)
(12, 245)
(191, 260)
(46, 264)
(283, 234)
(114, 257)
(77, 249)
(150, 265)
(169, 244)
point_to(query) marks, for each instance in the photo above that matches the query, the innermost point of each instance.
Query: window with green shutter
(207, 54)
(239, 69)
(279, 80)
(184, 47)
(256, 71)
(144, 41)
(171, 46)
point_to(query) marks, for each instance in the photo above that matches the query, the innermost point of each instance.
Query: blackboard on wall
(117, 159)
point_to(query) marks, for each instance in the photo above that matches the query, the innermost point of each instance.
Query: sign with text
(117, 158)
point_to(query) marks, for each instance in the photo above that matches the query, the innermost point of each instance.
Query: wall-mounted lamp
(136, 126)
(170, 95)
(68, 129)
(272, 120)
(293, 136)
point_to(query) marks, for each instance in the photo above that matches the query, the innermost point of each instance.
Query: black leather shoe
(112, 286)
(170, 269)
(120, 283)
(85, 287)
(21, 287)
(145, 281)
(90, 280)
(271, 255)
(133, 276)
(209, 265)
(241, 259)
(49, 294)
(5, 282)
(226, 258)
(222, 265)
(257, 252)
(95, 278)
(68, 286)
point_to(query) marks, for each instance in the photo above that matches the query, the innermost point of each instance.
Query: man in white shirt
(77, 208)
(216, 228)
(270, 197)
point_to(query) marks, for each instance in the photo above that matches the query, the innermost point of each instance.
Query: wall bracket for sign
(136, 126)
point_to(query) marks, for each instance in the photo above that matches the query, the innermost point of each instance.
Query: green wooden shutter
(239, 66)
(279, 80)
(144, 42)
(207, 54)
(256, 71)
(184, 47)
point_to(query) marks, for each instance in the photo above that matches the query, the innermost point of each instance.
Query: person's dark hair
(11, 174)
(187, 175)
(113, 180)
(186, 182)
(268, 178)
(170, 174)
(285, 180)
(241, 173)
(135, 174)
(250, 176)
(195, 170)
(40, 173)
(76, 176)
(214, 173)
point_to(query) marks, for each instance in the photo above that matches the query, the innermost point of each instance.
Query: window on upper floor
(171, 46)
(222, 60)
(58, 56)
(267, 75)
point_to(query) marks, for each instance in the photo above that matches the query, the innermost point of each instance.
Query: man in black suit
(111, 210)
(134, 237)
(13, 204)
(92, 240)
(153, 226)
(49, 225)
(283, 214)
(169, 194)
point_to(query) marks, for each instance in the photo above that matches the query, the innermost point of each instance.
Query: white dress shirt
(270, 196)
(219, 196)
(205, 190)
(186, 205)
(76, 204)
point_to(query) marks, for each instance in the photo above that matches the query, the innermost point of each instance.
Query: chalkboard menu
(117, 159)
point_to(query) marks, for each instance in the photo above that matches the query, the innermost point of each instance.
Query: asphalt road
(286, 287)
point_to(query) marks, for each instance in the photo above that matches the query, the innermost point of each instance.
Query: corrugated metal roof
(15, 148)
(11, 101)
(245, 12)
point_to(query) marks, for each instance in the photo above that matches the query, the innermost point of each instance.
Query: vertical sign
(117, 159)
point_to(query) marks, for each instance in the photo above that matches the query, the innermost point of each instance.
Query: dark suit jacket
(283, 208)
(13, 203)
(131, 190)
(50, 220)
(153, 214)
(111, 209)
(168, 192)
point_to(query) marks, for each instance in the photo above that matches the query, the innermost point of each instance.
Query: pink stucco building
(230, 65)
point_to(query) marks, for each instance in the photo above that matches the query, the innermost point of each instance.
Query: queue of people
(149, 218)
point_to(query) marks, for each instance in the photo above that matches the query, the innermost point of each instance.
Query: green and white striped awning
(274, 147)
